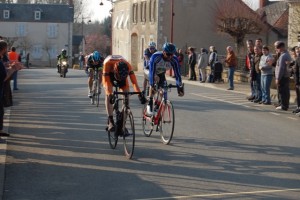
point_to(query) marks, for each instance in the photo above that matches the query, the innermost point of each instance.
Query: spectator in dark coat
(192, 62)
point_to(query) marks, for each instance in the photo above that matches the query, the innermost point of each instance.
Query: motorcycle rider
(160, 62)
(60, 57)
(115, 73)
(94, 60)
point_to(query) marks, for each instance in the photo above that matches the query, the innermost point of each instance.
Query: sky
(98, 13)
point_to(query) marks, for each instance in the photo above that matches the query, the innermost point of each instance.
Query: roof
(49, 12)
(276, 14)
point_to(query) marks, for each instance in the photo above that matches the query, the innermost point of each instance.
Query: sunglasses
(169, 54)
(152, 48)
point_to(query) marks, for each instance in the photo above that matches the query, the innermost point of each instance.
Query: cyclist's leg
(90, 81)
(100, 79)
(146, 80)
(109, 107)
(158, 81)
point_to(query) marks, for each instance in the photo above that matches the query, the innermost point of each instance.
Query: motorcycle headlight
(64, 63)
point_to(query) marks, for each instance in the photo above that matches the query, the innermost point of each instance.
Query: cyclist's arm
(152, 69)
(133, 79)
(176, 69)
(106, 82)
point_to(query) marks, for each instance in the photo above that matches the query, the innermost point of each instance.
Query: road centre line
(226, 194)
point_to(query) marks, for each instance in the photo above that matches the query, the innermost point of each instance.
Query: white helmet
(152, 44)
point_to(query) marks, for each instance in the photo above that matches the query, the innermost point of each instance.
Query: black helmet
(63, 51)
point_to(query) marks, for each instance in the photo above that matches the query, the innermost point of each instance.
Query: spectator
(81, 60)
(248, 63)
(202, 64)
(180, 57)
(265, 65)
(256, 74)
(13, 57)
(192, 63)
(231, 63)
(27, 60)
(5, 73)
(213, 58)
(258, 42)
(297, 80)
(282, 75)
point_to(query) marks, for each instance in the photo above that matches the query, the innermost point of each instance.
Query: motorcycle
(63, 68)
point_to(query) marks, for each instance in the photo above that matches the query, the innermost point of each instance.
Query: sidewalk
(239, 87)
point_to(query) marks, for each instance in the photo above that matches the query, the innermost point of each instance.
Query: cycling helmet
(96, 56)
(120, 71)
(169, 48)
(152, 44)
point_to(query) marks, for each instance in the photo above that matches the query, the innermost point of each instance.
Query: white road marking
(225, 194)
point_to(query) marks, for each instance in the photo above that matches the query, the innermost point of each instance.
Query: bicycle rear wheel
(147, 123)
(167, 122)
(128, 134)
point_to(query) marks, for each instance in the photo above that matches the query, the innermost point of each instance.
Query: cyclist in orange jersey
(116, 69)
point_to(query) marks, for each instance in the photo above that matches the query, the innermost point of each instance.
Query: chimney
(263, 3)
(71, 3)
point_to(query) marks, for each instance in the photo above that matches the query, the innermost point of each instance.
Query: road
(223, 147)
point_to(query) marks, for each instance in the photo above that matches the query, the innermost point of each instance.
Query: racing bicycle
(96, 89)
(124, 123)
(163, 119)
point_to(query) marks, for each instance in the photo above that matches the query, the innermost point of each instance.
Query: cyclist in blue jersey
(95, 60)
(147, 55)
(159, 63)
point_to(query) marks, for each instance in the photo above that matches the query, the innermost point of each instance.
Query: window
(37, 52)
(52, 31)
(53, 51)
(152, 10)
(21, 30)
(120, 25)
(134, 13)
(143, 11)
(6, 14)
(37, 15)
(126, 24)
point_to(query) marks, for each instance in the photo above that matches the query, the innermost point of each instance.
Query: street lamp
(83, 37)
(111, 30)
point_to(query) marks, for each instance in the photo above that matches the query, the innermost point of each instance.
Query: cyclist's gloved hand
(111, 99)
(142, 98)
(180, 90)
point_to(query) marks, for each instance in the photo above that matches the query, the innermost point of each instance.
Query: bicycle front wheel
(128, 134)
(97, 97)
(112, 140)
(147, 123)
(167, 122)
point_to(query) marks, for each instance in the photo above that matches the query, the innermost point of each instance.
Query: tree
(235, 18)
(99, 42)
(25, 44)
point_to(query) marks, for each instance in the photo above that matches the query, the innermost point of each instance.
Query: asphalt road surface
(223, 147)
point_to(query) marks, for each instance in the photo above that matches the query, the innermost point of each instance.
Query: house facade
(137, 22)
(42, 30)
(293, 23)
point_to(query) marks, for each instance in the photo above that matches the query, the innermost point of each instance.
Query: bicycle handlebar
(127, 93)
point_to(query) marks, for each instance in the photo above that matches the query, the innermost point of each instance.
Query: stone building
(293, 23)
(137, 22)
(38, 29)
